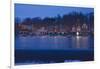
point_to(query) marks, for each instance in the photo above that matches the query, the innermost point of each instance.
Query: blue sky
(27, 10)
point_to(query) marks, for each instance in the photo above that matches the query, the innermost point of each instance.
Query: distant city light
(77, 33)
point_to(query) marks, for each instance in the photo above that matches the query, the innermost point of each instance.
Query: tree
(17, 20)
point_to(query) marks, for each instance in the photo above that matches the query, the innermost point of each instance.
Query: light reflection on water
(42, 62)
(54, 42)
(72, 61)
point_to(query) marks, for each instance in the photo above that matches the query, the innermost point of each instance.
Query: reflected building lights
(77, 41)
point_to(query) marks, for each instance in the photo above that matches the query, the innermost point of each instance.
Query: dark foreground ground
(52, 56)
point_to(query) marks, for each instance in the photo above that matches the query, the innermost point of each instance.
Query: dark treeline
(65, 21)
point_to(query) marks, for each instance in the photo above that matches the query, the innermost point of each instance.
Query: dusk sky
(27, 10)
